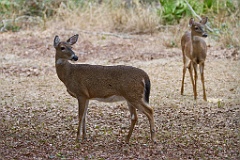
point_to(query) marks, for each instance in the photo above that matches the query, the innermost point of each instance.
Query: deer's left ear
(56, 41)
(204, 20)
(73, 39)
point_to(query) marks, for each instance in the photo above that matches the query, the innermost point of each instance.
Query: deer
(103, 83)
(194, 50)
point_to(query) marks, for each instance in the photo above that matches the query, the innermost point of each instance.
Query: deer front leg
(183, 77)
(195, 78)
(202, 79)
(190, 69)
(85, 119)
(82, 107)
(185, 65)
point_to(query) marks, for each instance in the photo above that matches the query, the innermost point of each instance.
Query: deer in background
(194, 51)
(104, 83)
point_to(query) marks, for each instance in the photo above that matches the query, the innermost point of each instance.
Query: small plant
(60, 155)
(172, 10)
(220, 103)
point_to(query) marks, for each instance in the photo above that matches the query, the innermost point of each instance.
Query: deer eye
(62, 48)
(196, 28)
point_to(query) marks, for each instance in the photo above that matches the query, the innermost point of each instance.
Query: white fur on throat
(59, 61)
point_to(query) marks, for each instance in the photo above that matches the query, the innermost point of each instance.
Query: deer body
(194, 51)
(95, 81)
(105, 83)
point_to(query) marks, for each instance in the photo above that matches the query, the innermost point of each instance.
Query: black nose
(205, 35)
(75, 58)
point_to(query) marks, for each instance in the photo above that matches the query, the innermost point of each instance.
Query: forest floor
(38, 118)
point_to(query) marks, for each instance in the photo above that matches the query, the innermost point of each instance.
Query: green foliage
(216, 6)
(30, 8)
(13, 28)
(8, 7)
(172, 10)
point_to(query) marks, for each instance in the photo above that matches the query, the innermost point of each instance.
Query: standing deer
(194, 51)
(107, 83)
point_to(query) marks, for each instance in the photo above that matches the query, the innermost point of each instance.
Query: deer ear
(73, 39)
(56, 41)
(191, 22)
(204, 20)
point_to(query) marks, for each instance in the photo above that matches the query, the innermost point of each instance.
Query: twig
(195, 14)
(124, 36)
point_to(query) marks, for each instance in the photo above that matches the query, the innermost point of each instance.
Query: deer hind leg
(134, 119)
(82, 107)
(148, 111)
(195, 78)
(201, 68)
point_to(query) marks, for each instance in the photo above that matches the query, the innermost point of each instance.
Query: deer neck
(192, 37)
(195, 41)
(63, 68)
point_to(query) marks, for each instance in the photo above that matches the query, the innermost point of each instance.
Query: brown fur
(194, 51)
(86, 82)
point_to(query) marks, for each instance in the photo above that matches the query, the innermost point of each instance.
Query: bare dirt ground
(38, 119)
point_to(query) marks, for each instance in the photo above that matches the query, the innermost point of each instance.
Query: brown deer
(104, 83)
(194, 51)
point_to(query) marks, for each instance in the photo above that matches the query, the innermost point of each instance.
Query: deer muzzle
(75, 58)
(204, 35)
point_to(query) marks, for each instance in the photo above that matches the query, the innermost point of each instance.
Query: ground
(38, 118)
